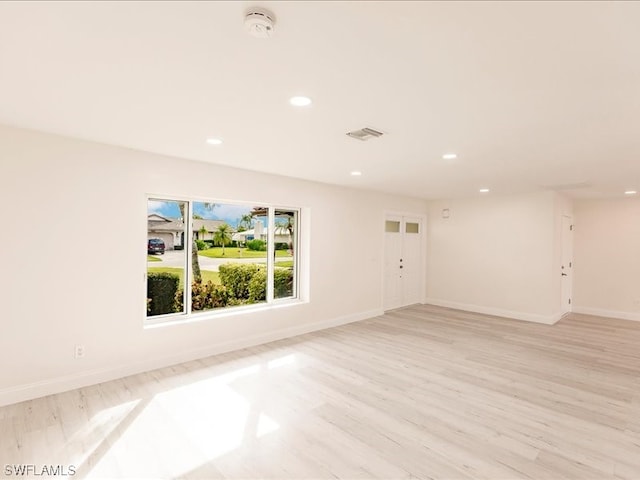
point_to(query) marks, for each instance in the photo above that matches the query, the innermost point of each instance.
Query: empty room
(319, 240)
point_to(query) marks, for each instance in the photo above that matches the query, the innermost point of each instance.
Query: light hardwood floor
(421, 392)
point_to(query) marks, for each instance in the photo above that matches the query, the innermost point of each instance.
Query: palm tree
(222, 236)
(288, 226)
(202, 231)
(245, 222)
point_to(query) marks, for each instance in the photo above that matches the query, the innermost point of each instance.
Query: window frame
(188, 315)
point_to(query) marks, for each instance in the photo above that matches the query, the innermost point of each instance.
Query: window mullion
(271, 249)
(296, 249)
(188, 274)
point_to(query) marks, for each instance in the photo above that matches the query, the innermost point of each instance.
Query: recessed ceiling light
(630, 192)
(484, 190)
(300, 101)
(356, 173)
(214, 141)
(449, 156)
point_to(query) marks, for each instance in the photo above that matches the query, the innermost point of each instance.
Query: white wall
(497, 255)
(80, 277)
(607, 257)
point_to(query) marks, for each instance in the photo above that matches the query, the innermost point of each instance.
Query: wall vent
(364, 134)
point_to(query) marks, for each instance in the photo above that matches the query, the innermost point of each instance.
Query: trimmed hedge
(161, 292)
(257, 245)
(258, 286)
(241, 284)
(282, 282)
(236, 277)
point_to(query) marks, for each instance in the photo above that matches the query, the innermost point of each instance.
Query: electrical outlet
(79, 351)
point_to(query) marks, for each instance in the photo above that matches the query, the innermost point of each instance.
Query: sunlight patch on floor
(183, 428)
(282, 361)
(92, 434)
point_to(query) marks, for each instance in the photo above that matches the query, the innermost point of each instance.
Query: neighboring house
(171, 230)
(260, 232)
(210, 225)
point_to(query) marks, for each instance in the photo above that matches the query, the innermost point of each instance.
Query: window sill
(175, 320)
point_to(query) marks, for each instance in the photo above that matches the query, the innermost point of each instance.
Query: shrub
(202, 245)
(236, 277)
(258, 286)
(257, 245)
(282, 246)
(161, 292)
(205, 296)
(282, 282)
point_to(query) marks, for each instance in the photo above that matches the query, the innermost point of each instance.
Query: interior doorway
(403, 261)
(566, 269)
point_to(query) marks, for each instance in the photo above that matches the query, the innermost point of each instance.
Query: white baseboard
(498, 312)
(608, 313)
(20, 393)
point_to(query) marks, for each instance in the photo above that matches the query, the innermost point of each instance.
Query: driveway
(176, 258)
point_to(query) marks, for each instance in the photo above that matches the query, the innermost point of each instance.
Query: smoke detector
(259, 23)
(364, 134)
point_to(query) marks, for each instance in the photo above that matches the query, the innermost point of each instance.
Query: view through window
(224, 255)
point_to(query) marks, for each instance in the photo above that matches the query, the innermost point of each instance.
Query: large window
(205, 256)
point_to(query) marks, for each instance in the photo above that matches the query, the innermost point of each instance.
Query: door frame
(423, 251)
(566, 251)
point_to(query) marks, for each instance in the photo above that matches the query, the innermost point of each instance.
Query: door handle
(565, 275)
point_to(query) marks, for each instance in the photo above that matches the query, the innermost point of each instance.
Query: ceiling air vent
(364, 134)
(567, 186)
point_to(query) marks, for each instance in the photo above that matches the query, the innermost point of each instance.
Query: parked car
(155, 245)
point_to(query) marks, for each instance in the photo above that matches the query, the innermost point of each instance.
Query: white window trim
(270, 303)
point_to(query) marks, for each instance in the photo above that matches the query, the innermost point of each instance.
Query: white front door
(403, 272)
(566, 268)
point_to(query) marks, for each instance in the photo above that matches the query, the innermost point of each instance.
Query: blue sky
(221, 211)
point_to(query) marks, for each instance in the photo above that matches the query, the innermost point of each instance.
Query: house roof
(155, 217)
(529, 95)
(279, 231)
(210, 225)
(158, 223)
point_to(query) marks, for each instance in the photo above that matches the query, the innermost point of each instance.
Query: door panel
(392, 255)
(412, 261)
(403, 272)
(567, 263)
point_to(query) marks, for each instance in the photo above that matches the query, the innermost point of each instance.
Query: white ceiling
(528, 94)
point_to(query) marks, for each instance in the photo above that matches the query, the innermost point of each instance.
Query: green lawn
(286, 263)
(206, 274)
(153, 258)
(230, 252)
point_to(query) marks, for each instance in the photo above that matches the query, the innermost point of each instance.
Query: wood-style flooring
(422, 392)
